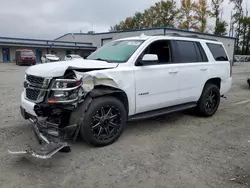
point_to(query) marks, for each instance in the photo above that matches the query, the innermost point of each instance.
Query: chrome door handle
(174, 71)
(204, 69)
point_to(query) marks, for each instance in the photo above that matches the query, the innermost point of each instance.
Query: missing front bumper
(51, 138)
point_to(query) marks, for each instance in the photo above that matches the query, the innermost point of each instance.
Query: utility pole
(231, 25)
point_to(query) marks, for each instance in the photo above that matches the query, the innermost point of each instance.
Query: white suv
(127, 79)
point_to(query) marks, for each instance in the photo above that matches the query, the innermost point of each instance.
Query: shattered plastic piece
(232, 179)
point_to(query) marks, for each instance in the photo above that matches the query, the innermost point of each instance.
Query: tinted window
(187, 52)
(201, 52)
(218, 52)
(27, 54)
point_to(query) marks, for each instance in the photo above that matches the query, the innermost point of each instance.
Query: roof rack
(189, 36)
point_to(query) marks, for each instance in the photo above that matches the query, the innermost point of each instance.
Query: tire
(104, 121)
(209, 101)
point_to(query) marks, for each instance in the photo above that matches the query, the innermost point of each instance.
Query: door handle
(203, 69)
(173, 71)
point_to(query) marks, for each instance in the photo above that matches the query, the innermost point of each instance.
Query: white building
(8, 47)
(84, 44)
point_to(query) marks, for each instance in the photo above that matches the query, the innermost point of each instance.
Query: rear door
(193, 67)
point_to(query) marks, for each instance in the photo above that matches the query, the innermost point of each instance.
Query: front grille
(32, 94)
(35, 79)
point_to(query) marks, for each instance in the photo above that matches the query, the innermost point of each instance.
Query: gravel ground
(177, 150)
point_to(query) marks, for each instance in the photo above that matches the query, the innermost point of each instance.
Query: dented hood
(57, 69)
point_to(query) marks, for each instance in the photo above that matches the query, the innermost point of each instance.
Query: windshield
(116, 51)
(27, 54)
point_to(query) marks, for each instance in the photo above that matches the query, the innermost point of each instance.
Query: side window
(218, 52)
(187, 52)
(201, 52)
(162, 49)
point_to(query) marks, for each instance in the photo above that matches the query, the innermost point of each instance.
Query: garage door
(106, 40)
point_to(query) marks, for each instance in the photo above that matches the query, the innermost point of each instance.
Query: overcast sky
(48, 19)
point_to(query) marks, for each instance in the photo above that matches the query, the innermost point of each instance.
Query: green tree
(216, 4)
(244, 35)
(201, 15)
(186, 14)
(221, 28)
(163, 13)
(238, 7)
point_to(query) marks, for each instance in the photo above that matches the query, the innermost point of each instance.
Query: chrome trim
(40, 97)
(65, 89)
(65, 80)
(45, 83)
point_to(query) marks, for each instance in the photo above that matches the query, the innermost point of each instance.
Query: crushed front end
(48, 104)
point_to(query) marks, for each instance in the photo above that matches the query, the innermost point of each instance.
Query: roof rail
(189, 36)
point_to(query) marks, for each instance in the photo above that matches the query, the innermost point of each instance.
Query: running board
(162, 111)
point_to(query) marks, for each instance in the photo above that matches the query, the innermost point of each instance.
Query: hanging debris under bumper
(51, 138)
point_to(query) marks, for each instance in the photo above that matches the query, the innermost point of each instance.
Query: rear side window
(187, 52)
(201, 52)
(218, 52)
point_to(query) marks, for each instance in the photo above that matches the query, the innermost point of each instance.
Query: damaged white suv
(127, 79)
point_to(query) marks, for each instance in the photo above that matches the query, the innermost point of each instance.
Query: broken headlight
(65, 91)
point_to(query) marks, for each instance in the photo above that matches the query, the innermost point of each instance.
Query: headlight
(66, 84)
(65, 91)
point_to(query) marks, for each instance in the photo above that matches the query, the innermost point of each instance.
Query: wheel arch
(119, 94)
(216, 81)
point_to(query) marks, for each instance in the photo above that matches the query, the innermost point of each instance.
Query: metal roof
(146, 29)
(45, 43)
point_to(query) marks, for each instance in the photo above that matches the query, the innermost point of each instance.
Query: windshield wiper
(100, 59)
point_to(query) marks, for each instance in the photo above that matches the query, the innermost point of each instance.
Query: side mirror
(150, 58)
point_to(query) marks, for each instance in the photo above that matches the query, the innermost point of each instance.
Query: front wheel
(104, 121)
(209, 101)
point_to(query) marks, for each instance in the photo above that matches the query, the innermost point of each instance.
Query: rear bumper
(226, 85)
(23, 62)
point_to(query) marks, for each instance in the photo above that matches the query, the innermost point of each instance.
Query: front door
(6, 54)
(157, 83)
(38, 55)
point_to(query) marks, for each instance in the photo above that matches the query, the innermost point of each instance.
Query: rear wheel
(104, 121)
(209, 101)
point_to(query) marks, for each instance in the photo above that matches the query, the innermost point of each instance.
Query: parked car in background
(25, 57)
(47, 58)
(72, 57)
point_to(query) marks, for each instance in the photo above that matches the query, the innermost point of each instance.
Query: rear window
(218, 52)
(27, 54)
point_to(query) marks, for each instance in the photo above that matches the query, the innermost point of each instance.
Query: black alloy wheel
(106, 123)
(211, 101)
